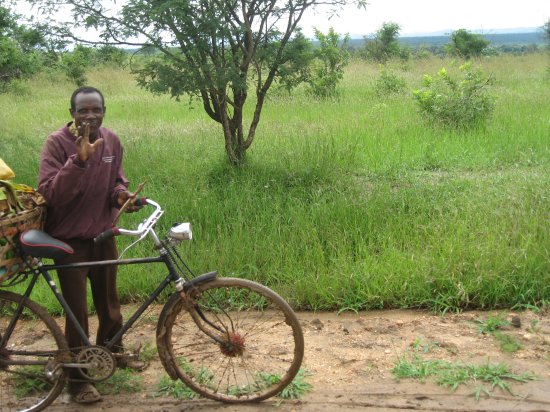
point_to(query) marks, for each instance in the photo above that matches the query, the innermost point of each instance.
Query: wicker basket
(12, 225)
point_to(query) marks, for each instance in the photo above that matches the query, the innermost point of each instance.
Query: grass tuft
(452, 375)
(492, 323)
(122, 381)
(175, 389)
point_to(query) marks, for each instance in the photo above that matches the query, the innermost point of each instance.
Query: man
(82, 180)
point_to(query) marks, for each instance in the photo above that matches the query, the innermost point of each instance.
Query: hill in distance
(497, 37)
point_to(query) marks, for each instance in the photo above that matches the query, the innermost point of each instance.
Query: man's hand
(84, 148)
(123, 198)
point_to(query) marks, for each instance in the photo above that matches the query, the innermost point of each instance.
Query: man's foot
(83, 392)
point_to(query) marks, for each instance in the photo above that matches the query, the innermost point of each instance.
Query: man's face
(88, 109)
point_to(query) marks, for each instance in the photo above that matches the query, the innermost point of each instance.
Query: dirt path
(350, 358)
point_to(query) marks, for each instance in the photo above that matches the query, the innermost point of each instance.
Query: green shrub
(76, 63)
(111, 55)
(389, 83)
(19, 49)
(456, 103)
(331, 57)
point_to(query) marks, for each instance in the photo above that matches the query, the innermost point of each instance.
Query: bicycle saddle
(37, 243)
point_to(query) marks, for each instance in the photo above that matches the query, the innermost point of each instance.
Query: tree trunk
(235, 144)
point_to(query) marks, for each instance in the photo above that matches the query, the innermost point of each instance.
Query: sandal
(133, 364)
(130, 361)
(84, 393)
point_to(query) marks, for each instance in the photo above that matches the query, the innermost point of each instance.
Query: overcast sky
(417, 17)
(421, 17)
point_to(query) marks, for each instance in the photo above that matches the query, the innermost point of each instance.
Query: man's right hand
(84, 148)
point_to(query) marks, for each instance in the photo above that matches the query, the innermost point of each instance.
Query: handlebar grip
(140, 201)
(109, 233)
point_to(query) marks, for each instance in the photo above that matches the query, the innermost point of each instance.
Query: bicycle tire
(35, 338)
(266, 344)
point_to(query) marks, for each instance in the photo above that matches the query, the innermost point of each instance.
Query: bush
(331, 57)
(111, 55)
(454, 103)
(19, 49)
(389, 83)
(76, 63)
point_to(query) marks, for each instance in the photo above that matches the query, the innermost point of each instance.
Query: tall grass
(348, 204)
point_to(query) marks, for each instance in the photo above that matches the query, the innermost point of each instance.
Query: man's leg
(73, 288)
(107, 304)
(105, 294)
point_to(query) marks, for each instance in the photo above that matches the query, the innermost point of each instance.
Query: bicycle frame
(224, 337)
(164, 257)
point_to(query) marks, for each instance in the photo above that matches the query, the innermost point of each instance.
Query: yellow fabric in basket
(5, 171)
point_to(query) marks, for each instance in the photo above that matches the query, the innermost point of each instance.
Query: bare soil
(350, 358)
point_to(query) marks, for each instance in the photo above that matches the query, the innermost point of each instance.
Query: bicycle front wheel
(30, 376)
(231, 340)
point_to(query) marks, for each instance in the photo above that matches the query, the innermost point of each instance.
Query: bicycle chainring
(100, 363)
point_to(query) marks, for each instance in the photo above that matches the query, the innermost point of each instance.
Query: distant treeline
(500, 39)
(504, 42)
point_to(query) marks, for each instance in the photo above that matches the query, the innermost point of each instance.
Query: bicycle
(228, 339)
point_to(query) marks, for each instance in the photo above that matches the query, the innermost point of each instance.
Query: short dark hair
(86, 89)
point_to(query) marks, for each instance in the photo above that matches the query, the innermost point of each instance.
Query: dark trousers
(103, 286)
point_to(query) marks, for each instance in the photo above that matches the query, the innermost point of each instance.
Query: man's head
(88, 107)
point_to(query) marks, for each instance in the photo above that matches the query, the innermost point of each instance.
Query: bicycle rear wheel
(30, 378)
(259, 343)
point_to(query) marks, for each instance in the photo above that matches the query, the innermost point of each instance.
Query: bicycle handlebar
(143, 227)
(109, 233)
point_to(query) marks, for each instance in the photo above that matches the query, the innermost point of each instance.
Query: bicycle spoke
(255, 356)
(29, 379)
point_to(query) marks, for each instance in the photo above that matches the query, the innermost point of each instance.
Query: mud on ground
(350, 357)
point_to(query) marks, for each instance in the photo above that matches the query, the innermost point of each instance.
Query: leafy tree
(212, 50)
(331, 57)
(18, 49)
(385, 44)
(111, 55)
(296, 68)
(466, 44)
(76, 63)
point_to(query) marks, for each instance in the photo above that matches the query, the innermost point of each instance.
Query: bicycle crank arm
(78, 365)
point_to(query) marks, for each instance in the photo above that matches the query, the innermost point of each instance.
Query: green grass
(298, 387)
(122, 381)
(29, 380)
(295, 390)
(483, 378)
(349, 204)
(508, 343)
(492, 325)
(175, 389)
(148, 353)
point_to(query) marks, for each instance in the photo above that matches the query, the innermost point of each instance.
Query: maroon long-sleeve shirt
(81, 197)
